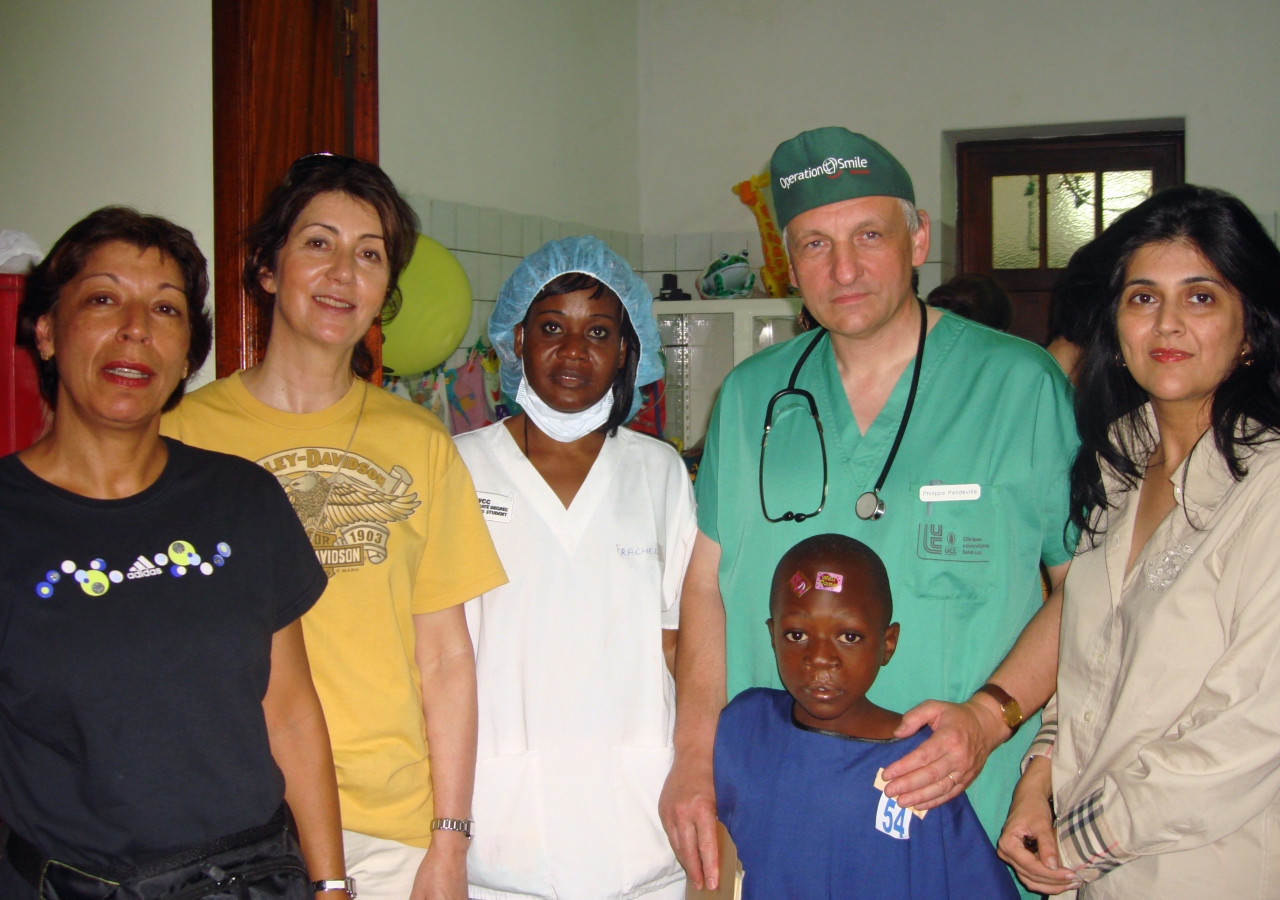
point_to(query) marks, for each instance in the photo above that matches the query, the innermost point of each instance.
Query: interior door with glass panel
(1025, 206)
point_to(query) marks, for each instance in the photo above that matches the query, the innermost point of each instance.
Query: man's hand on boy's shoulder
(948, 761)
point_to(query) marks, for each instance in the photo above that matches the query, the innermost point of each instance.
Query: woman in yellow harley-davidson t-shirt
(390, 510)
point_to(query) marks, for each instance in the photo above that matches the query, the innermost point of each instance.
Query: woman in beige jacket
(1157, 769)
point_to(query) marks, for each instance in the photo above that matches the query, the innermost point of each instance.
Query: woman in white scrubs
(594, 525)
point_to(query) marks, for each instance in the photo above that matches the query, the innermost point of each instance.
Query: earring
(185, 369)
(45, 357)
(1120, 361)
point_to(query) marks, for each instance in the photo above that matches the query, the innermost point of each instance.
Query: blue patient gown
(803, 809)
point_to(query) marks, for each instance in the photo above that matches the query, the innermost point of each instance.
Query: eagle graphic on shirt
(345, 502)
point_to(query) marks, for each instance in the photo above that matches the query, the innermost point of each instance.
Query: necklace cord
(341, 462)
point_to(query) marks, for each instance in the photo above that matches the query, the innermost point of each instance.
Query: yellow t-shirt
(399, 532)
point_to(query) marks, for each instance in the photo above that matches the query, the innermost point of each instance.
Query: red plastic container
(22, 416)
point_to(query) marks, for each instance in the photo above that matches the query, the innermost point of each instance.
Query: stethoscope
(870, 505)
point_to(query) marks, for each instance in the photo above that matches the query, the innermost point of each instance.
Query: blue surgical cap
(590, 256)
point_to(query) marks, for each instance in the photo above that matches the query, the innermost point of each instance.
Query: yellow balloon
(435, 314)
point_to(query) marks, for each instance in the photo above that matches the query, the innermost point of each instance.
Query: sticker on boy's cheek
(799, 584)
(829, 581)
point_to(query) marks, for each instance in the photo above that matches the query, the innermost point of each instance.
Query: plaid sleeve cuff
(1086, 842)
(1044, 740)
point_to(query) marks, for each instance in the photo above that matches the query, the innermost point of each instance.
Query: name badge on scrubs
(495, 507)
(942, 493)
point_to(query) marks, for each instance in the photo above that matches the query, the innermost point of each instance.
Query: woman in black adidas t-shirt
(156, 703)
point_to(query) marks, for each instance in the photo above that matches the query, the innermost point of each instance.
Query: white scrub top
(577, 707)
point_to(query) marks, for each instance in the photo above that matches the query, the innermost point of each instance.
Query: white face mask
(561, 426)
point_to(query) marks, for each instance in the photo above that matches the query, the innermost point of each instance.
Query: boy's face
(830, 644)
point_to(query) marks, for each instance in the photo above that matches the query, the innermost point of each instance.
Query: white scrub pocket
(509, 851)
(646, 854)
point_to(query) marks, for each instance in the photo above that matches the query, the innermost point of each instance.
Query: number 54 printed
(892, 819)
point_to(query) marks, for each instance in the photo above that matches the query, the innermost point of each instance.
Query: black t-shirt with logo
(135, 651)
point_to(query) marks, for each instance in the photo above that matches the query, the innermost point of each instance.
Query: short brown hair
(67, 258)
(327, 173)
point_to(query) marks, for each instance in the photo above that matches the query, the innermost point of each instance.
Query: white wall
(531, 108)
(105, 103)
(722, 82)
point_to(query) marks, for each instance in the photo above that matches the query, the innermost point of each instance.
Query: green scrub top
(993, 413)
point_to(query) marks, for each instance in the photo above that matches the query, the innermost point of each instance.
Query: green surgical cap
(827, 165)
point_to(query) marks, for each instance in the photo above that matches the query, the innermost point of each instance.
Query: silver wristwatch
(463, 826)
(333, 884)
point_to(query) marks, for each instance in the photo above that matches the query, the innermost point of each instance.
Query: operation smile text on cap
(827, 165)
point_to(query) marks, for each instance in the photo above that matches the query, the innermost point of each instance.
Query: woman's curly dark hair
(67, 259)
(1246, 405)
(325, 173)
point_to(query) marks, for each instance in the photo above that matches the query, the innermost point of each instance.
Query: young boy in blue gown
(796, 771)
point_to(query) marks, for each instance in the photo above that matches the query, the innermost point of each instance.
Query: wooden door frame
(290, 77)
(974, 249)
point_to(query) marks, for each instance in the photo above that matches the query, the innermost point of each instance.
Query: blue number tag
(892, 819)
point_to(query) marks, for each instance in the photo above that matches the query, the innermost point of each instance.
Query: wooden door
(1079, 168)
(290, 77)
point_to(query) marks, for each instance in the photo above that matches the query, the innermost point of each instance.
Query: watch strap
(462, 826)
(1010, 710)
(335, 884)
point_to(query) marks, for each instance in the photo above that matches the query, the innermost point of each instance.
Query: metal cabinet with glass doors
(702, 340)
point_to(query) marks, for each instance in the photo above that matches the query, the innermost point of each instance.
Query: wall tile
(422, 206)
(506, 265)
(511, 228)
(755, 253)
(468, 227)
(478, 328)
(471, 265)
(732, 242)
(489, 278)
(444, 223)
(654, 280)
(693, 251)
(659, 253)
(689, 281)
(530, 234)
(635, 251)
(552, 230)
(490, 231)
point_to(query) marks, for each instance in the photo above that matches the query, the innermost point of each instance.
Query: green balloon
(435, 314)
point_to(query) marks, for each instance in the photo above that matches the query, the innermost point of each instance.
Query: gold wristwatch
(1010, 711)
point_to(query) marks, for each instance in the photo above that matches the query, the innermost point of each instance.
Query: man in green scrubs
(976, 497)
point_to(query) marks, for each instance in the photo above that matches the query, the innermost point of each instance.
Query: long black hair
(624, 383)
(1246, 404)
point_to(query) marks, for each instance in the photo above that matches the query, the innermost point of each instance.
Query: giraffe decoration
(775, 271)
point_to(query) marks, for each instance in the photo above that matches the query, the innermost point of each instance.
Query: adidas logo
(143, 568)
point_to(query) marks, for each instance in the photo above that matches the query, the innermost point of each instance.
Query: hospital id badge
(494, 507)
